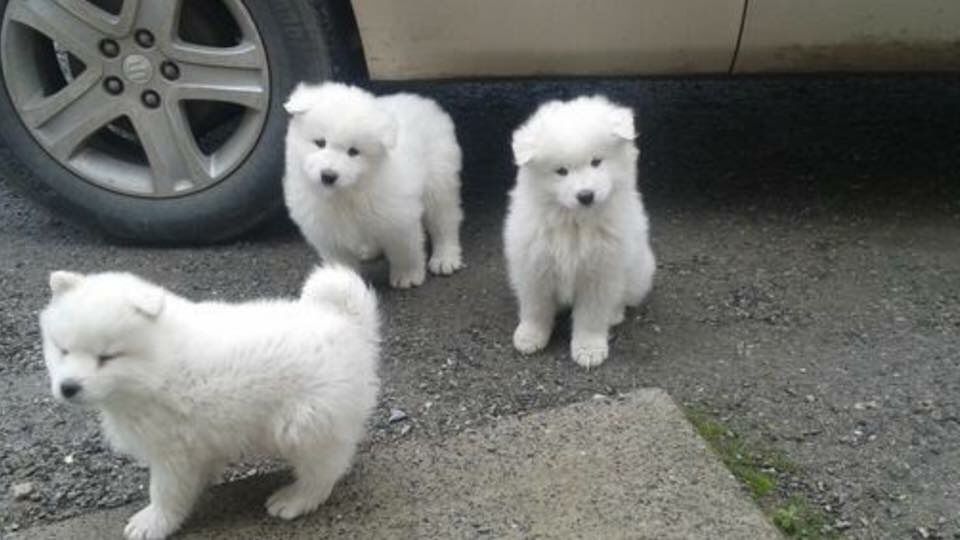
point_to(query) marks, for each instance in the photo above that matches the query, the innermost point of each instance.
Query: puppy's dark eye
(353, 152)
(63, 352)
(596, 162)
(321, 143)
(104, 358)
(562, 171)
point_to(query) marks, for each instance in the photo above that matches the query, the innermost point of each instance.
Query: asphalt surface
(808, 295)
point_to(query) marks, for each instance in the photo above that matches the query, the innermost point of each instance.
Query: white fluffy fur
(187, 387)
(405, 173)
(595, 258)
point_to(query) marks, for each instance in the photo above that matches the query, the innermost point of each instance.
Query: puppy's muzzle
(70, 388)
(585, 197)
(328, 177)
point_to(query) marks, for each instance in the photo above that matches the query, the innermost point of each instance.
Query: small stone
(397, 415)
(598, 397)
(405, 429)
(923, 532)
(22, 490)
(68, 459)
(810, 398)
(841, 525)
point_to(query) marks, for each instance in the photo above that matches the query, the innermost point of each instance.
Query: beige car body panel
(849, 35)
(423, 39)
(417, 39)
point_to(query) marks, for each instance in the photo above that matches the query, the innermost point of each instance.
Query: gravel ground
(808, 295)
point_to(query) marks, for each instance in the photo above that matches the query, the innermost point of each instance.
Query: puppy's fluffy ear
(148, 301)
(299, 100)
(524, 143)
(621, 121)
(62, 281)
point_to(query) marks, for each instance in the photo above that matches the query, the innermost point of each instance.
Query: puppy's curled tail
(342, 288)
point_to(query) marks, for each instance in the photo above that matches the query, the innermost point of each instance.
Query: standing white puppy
(187, 387)
(365, 173)
(576, 231)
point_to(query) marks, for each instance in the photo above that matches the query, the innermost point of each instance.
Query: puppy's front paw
(293, 501)
(405, 280)
(529, 338)
(444, 265)
(150, 524)
(589, 351)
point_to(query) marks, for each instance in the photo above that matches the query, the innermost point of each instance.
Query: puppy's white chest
(571, 255)
(353, 231)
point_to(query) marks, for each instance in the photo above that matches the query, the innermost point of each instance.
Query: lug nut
(170, 70)
(144, 38)
(109, 48)
(113, 85)
(151, 99)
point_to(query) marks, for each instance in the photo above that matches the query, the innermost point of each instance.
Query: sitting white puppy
(187, 387)
(576, 230)
(365, 173)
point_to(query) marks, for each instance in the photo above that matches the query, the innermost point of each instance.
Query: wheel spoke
(245, 55)
(39, 111)
(175, 160)
(58, 24)
(223, 84)
(114, 25)
(74, 121)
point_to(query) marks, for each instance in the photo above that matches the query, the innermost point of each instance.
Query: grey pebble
(22, 490)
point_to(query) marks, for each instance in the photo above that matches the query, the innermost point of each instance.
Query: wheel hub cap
(137, 68)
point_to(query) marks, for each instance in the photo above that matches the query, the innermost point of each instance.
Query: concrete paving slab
(626, 467)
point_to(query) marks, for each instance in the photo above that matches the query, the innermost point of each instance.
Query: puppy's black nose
(69, 388)
(328, 177)
(585, 197)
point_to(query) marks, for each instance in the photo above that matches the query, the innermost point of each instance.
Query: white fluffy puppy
(365, 173)
(576, 230)
(187, 387)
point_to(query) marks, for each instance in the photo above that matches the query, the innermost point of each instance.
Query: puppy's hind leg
(442, 217)
(319, 459)
(640, 275)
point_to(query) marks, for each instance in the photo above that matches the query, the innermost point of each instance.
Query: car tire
(296, 47)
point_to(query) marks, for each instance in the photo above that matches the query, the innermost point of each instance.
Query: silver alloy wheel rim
(166, 153)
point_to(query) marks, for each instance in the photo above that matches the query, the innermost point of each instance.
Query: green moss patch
(759, 469)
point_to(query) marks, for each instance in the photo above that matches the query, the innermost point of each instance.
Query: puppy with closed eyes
(576, 232)
(187, 387)
(364, 174)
